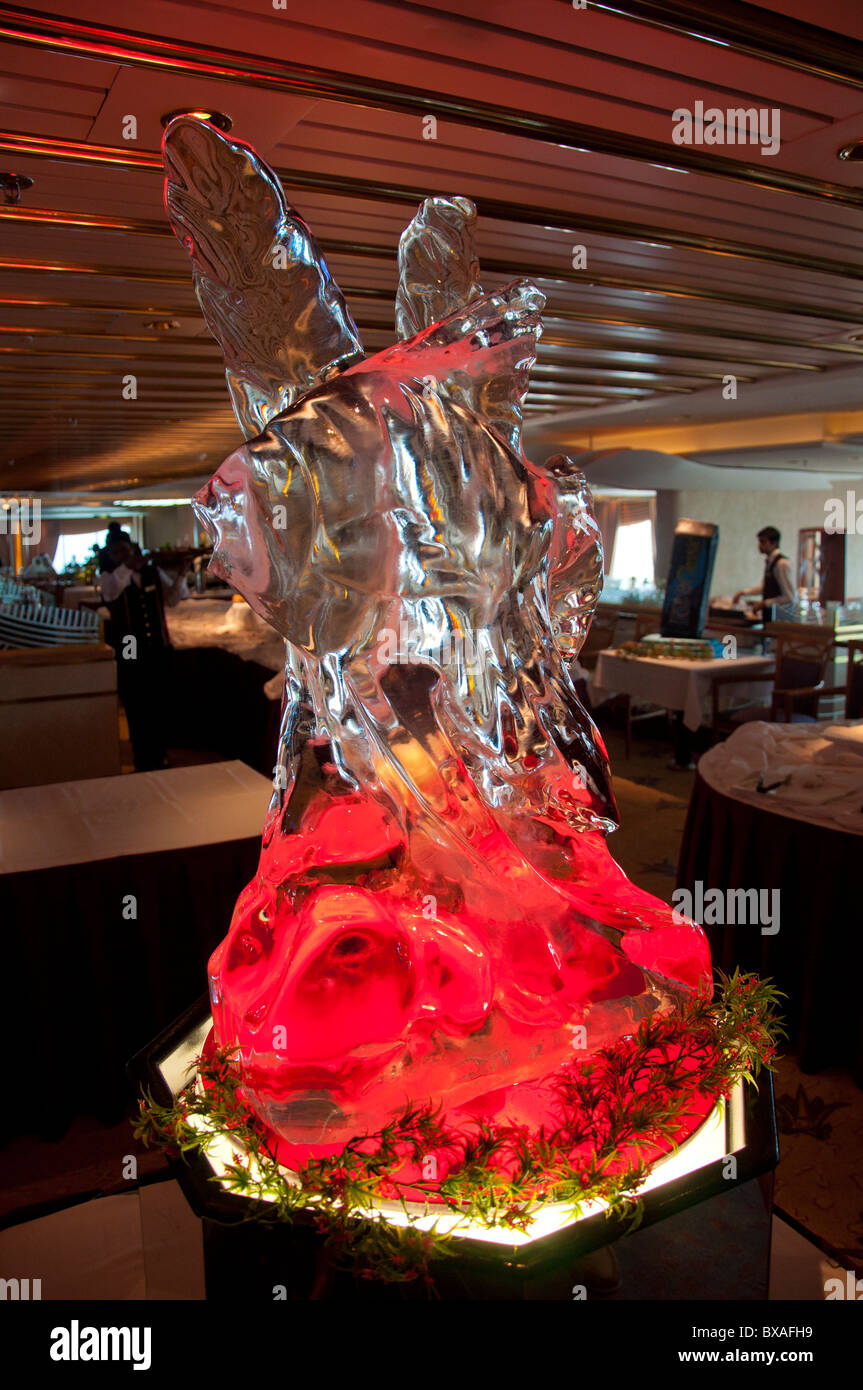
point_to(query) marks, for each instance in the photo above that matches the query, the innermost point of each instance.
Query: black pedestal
(705, 1232)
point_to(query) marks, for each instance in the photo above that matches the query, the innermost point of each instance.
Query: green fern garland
(497, 1175)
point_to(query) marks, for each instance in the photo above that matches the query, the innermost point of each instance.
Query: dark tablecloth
(816, 957)
(216, 703)
(82, 989)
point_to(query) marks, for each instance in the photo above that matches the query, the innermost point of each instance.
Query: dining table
(230, 625)
(115, 891)
(226, 681)
(680, 684)
(779, 808)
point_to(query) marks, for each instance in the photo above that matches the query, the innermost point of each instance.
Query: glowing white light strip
(721, 1134)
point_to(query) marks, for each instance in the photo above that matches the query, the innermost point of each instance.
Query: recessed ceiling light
(216, 118)
(852, 151)
(162, 325)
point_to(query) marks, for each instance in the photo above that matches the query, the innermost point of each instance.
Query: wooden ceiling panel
(700, 262)
(637, 47)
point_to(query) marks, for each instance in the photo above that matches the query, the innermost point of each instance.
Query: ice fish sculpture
(436, 914)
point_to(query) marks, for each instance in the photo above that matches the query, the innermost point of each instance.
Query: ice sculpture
(436, 914)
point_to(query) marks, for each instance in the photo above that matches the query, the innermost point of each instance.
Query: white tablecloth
(235, 627)
(141, 813)
(679, 685)
(72, 595)
(821, 776)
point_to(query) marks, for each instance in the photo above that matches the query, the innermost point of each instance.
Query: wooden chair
(640, 709)
(853, 687)
(604, 633)
(802, 655)
(854, 682)
(600, 636)
(644, 626)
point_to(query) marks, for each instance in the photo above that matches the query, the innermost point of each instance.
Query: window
(76, 550)
(633, 553)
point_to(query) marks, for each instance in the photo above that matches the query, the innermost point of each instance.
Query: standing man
(136, 591)
(778, 594)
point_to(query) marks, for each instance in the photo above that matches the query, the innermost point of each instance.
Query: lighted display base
(696, 1185)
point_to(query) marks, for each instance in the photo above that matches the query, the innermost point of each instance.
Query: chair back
(802, 654)
(854, 682)
(645, 626)
(600, 636)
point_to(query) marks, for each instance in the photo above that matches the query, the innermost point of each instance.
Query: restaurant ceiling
(702, 261)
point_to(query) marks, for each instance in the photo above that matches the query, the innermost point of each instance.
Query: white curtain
(607, 513)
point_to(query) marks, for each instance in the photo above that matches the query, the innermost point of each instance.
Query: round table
(738, 838)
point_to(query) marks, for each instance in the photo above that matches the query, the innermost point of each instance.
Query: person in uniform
(778, 600)
(136, 591)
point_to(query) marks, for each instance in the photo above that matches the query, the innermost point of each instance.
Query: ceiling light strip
(584, 318)
(617, 350)
(547, 274)
(497, 209)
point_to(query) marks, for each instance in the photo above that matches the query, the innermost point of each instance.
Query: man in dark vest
(778, 595)
(136, 591)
